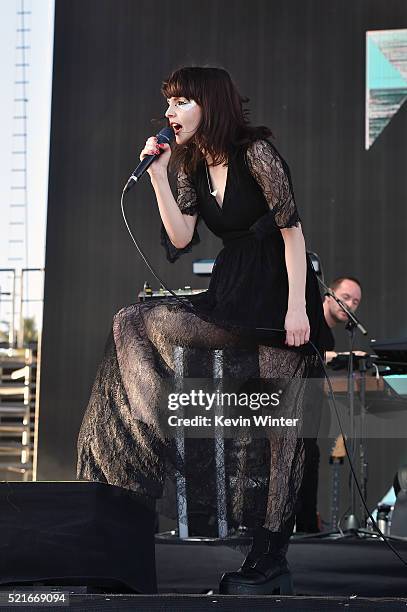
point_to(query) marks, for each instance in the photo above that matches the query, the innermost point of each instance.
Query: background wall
(303, 66)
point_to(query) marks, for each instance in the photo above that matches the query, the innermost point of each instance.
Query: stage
(329, 574)
(269, 99)
(321, 567)
(226, 603)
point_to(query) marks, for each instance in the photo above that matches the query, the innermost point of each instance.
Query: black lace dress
(122, 440)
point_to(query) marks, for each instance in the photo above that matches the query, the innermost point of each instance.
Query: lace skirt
(124, 440)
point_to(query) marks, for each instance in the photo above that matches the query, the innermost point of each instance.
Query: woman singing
(262, 307)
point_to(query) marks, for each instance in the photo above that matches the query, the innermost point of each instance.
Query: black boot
(265, 570)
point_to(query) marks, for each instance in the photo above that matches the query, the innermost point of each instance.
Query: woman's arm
(179, 227)
(273, 175)
(296, 321)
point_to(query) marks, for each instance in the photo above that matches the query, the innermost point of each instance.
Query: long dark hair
(225, 122)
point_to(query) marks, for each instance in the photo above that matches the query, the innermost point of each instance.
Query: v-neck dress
(248, 289)
(123, 441)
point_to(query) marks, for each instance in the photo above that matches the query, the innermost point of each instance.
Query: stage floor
(320, 567)
(224, 603)
(348, 574)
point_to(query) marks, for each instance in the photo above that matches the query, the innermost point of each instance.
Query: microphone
(164, 136)
(353, 320)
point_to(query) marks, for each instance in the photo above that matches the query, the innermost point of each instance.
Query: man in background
(349, 291)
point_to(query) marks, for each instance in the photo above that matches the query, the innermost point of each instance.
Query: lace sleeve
(186, 195)
(273, 176)
(188, 205)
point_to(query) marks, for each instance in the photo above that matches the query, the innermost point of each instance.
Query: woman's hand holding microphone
(152, 147)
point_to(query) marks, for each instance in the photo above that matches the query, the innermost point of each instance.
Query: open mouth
(176, 127)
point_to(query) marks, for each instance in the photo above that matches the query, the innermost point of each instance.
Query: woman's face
(184, 116)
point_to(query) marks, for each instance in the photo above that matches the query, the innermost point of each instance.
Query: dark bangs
(225, 124)
(183, 83)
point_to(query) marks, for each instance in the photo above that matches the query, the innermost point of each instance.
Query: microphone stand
(363, 366)
(352, 523)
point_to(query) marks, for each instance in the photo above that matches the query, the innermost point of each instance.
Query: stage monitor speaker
(76, 533)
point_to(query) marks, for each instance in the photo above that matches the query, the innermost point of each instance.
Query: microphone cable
(189, 306)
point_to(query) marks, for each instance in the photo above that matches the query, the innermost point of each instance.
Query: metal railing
(16, 295)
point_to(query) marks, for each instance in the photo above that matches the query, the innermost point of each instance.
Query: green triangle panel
(381, 73)
(393, 45)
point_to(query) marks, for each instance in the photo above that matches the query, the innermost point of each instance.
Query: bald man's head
(349, 291)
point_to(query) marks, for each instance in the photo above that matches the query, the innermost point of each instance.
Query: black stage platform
(321, 567)
(348, 574)
(225, 603)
